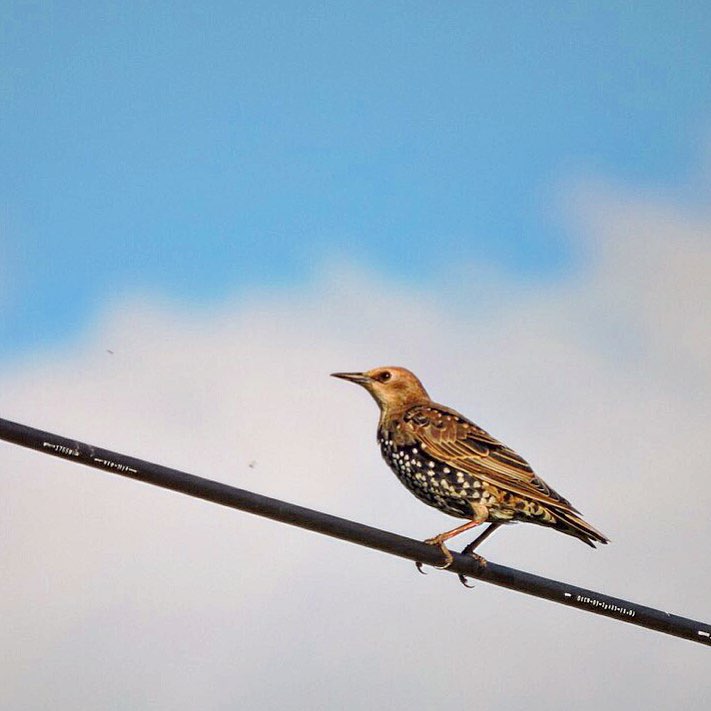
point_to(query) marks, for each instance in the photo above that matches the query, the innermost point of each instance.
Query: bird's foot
(482, 564)
(448, 558)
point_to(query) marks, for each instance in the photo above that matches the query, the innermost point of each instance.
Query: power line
(209, 490)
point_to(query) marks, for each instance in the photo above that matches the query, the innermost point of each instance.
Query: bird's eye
(384, 376)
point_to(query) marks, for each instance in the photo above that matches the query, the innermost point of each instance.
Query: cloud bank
(116, 595)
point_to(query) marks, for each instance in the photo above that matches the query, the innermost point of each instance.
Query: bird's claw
(448, 558)
(482, 564)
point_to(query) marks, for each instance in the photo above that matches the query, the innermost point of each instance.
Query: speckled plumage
(450, 463)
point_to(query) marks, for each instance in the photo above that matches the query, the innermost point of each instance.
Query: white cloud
(118, 595)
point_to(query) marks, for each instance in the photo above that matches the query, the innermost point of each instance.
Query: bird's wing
(452, 438)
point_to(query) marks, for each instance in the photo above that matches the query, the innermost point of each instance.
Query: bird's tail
(570, 523)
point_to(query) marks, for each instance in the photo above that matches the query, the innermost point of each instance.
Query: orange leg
(481, 514)
(469, 550)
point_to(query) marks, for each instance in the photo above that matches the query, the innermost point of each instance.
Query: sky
(205, 210)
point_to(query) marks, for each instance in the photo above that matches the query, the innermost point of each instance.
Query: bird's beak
(360, 378)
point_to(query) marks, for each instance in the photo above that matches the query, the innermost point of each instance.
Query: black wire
(219, 493)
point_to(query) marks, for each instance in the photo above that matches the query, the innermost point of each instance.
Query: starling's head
(392, 388)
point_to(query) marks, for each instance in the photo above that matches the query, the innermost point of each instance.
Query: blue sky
(201, 151)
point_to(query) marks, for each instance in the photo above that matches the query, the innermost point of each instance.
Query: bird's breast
(430, 480)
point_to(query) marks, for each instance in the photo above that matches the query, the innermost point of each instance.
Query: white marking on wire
(113, 465)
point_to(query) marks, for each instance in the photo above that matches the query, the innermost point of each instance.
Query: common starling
(450, 463)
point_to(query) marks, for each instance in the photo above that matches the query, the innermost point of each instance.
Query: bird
(452, 464)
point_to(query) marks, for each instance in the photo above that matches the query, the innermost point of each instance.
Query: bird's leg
(469, 550)
(481, 513)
